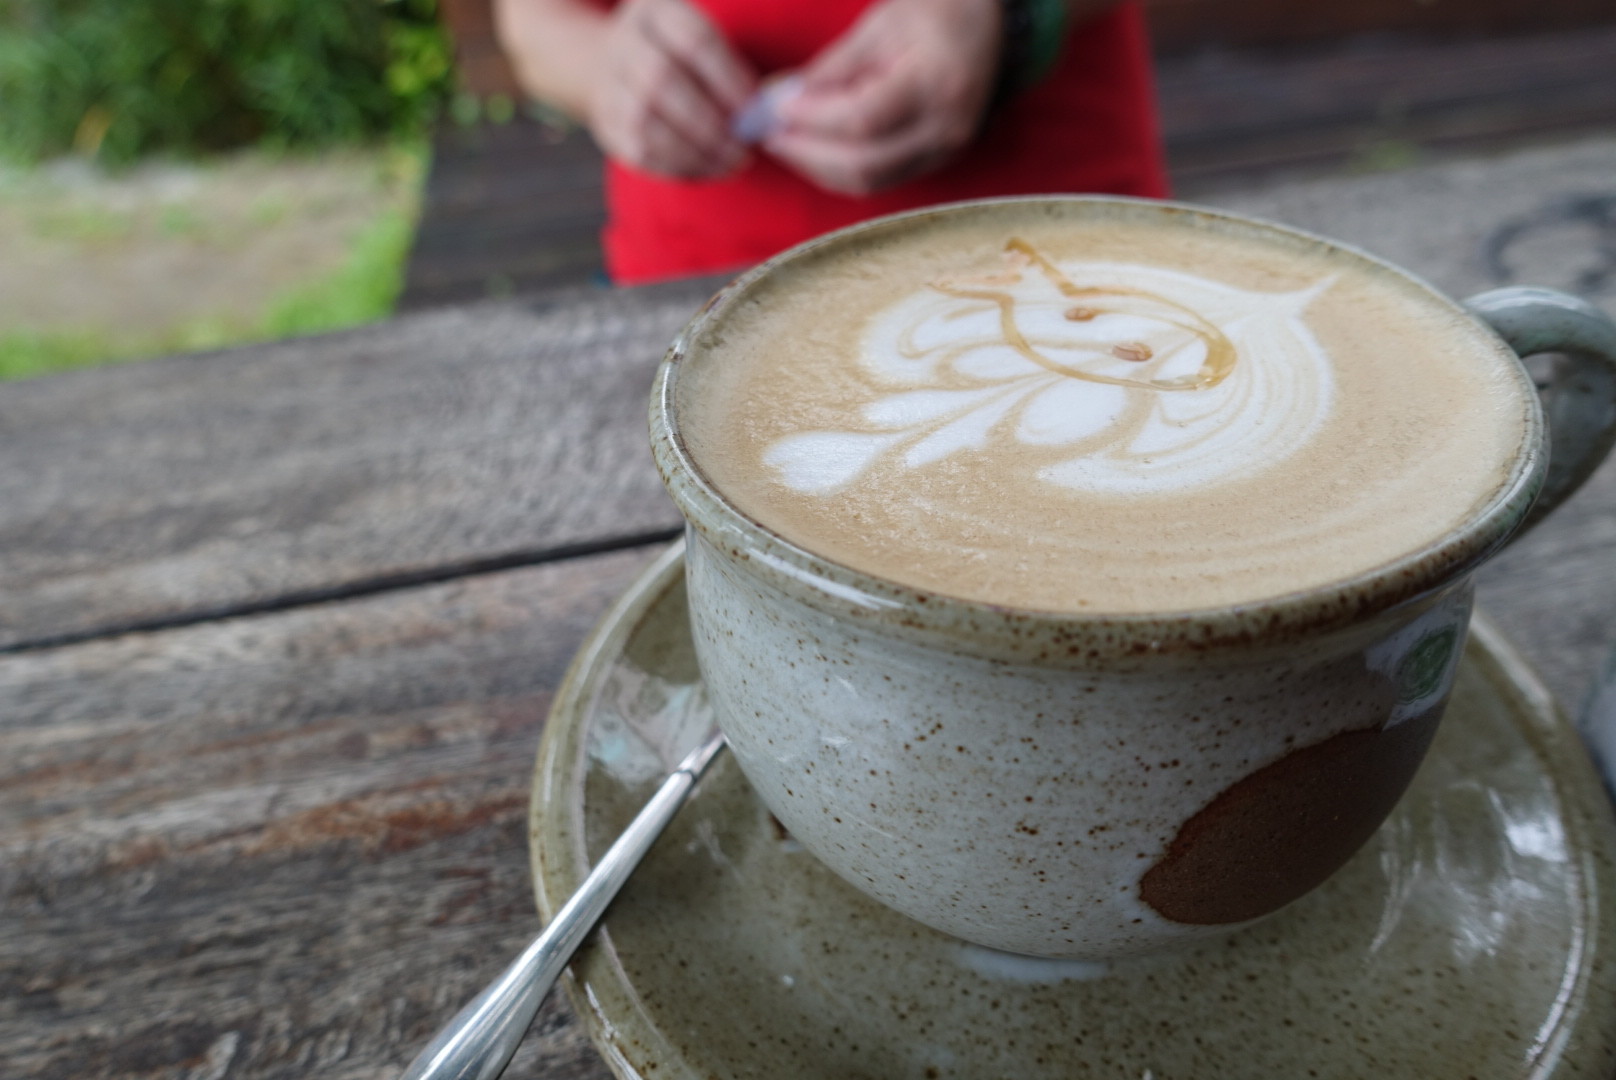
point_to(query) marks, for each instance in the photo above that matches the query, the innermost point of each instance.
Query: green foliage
(362, 291)
(120, 79)
(24, 353)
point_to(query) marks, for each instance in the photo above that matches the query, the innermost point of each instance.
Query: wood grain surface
(292, 844)
(289, 845)
(428, 445)
(1180, 25)
(1226, 114)
(508, 208)
(509, 432)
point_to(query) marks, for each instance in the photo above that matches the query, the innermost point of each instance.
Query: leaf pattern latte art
(1144, 380)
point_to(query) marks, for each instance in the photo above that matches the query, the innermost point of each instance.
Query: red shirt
(1090, 126)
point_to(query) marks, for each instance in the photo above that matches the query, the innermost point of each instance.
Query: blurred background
(179, 175)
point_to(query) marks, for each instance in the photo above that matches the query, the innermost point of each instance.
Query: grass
(362, 291)
(1385, 155)
(24, 353)
(84, 225)
(362, 285)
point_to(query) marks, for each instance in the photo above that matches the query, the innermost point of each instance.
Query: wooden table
(280, 627)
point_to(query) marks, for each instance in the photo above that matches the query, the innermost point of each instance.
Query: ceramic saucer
(1469, 939)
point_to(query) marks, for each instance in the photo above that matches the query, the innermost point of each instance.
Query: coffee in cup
(1084, 576)
(1101, 412)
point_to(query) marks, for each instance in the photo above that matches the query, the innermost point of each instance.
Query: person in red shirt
(901, 104)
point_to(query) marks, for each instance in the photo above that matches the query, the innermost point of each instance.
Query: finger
(669, 153)
(704, 132)
(687, 107)
(762, 115)
(878, 106)
(658, 84)
(859, 167)
(629, 130)
(698, 45)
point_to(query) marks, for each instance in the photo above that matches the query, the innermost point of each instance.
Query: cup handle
(1581, 411)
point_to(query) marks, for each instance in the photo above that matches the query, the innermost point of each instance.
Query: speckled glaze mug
(1074, 785)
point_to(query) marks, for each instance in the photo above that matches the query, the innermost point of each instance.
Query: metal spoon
(478, 1043)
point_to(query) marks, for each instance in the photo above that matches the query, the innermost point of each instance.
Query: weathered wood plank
(281, 846)
(510, 431)
(436, 442)
(469, 274)
(1231, 114)
(293, 844)
(509, 205)
(1183, 25)
(519, 254)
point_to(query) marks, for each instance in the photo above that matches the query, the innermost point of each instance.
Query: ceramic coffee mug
(1078, 785)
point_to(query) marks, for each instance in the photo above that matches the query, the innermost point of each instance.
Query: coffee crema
(1094, 407)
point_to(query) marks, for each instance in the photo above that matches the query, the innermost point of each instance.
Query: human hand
(664, 90)
(896, 96)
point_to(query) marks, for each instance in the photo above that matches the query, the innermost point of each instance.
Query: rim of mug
(913, 611)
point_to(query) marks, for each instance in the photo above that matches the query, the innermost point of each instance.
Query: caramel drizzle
(1220, 351)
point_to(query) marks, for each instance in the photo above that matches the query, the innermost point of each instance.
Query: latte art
(1072, 405)
(1153, 380)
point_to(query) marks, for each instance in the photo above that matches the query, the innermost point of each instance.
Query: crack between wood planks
(353, 590)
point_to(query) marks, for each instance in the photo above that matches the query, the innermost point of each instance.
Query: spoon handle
(478, 1043)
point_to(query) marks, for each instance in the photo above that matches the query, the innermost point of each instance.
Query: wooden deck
(508, 208)
(515, 207)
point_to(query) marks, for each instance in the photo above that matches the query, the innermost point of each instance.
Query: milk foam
(1156, 380)
(1063, 406)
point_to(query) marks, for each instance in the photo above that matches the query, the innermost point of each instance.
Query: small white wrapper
(760, 117)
